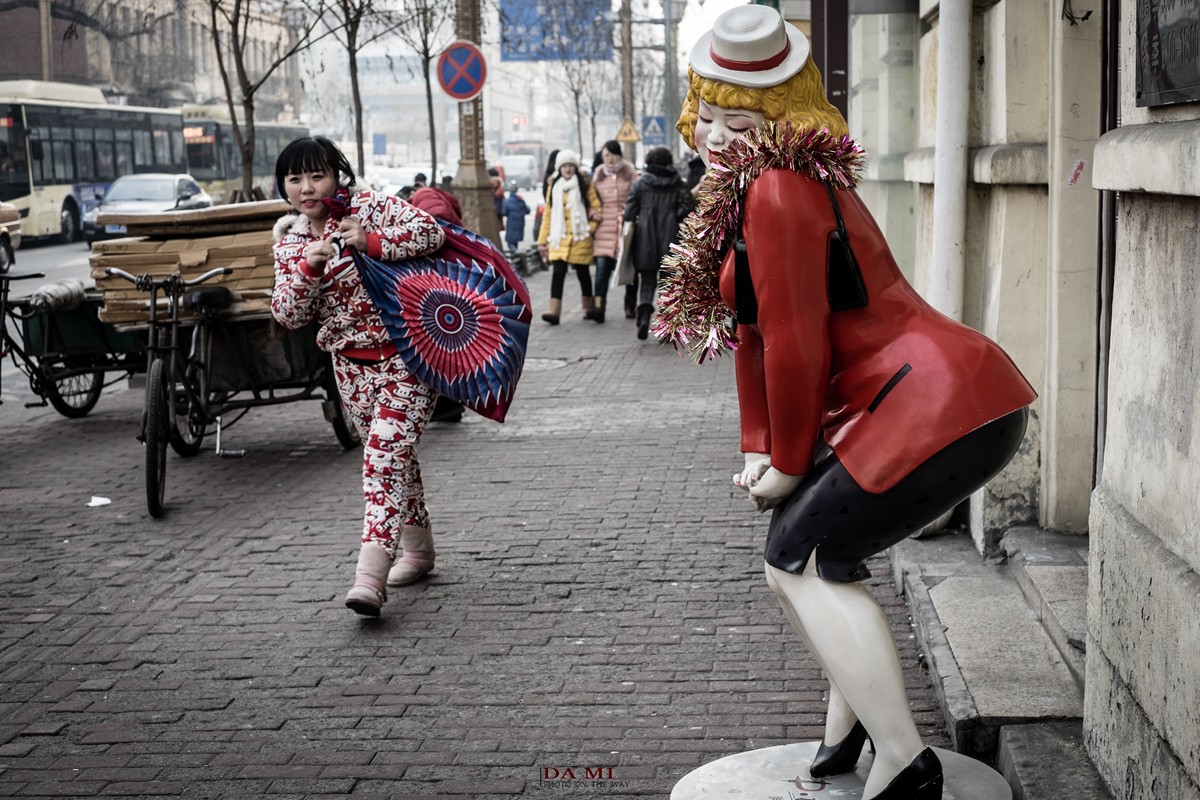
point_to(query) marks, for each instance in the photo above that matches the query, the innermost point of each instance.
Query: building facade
(143, 52)
(1036, 168)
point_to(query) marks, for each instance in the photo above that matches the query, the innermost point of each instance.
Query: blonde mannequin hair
(800, 100)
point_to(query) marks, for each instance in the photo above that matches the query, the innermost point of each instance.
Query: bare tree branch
(427, 28)
(234, 19)
(356, 24)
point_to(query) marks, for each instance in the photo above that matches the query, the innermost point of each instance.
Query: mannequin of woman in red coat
(864, 412)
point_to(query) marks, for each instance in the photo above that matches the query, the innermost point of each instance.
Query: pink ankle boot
(369, 592)
(417, 560)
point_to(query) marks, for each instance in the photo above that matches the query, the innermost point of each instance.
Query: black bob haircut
(660, 157)
(311, 154)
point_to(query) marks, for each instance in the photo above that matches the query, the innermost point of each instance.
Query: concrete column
(950, 157)
(1069, 396)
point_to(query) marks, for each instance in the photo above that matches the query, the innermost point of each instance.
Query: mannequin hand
(756, 465)
(772, 489)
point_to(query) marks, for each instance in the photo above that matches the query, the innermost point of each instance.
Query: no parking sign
(461, 70)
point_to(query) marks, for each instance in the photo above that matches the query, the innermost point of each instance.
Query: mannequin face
(716, 127)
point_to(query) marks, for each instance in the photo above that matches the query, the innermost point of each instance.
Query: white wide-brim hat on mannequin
(750, 46)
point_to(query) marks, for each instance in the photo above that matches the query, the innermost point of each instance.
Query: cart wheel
(157, 435)
(335, 412)
(73, 396)
(187, 428)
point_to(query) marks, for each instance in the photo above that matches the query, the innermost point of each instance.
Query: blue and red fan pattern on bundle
(459, 318)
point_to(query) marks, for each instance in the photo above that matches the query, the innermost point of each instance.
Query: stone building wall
(1142, 695)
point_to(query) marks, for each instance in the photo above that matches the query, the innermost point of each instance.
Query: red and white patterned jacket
(338, 300)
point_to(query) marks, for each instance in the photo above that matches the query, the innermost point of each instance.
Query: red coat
(438, 203)
(804, 373)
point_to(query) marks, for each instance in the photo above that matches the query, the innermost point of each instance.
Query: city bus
(214, 159)
(62, 144)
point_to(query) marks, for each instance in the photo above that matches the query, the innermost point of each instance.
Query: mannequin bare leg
(839, 716)
(850, 638)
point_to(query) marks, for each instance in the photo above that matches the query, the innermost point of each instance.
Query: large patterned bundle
(459, 317)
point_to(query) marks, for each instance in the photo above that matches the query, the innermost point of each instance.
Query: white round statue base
(781, 773)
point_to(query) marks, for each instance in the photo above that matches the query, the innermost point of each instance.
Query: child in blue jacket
(514, 210)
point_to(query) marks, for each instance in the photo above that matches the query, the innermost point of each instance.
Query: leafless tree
(573, 41)
(232, 24)
(356, 24)
(427, 27)
(598, 95)
(648, 84)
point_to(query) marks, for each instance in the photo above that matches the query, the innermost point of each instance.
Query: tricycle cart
(57, 340)
(201, 370)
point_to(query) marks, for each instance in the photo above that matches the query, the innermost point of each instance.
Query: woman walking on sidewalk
(565, 238)
(864, 412)
(315, 278)
(658, 203)
(613, 179)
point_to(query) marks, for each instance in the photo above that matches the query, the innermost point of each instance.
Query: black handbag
(846, 288)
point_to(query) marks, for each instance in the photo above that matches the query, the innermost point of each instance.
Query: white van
(521, 168)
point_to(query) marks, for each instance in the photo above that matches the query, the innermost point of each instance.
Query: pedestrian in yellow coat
(570, 218)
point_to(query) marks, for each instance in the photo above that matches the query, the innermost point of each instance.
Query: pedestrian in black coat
(657, 203)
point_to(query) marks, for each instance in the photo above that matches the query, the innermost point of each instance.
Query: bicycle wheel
(156, 436)
(335, 412)
(187, 434)
(73, 396)
(187, 423)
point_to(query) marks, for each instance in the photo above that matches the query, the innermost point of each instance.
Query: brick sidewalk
(598, 604)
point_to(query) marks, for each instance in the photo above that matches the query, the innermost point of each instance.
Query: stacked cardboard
(189, 243)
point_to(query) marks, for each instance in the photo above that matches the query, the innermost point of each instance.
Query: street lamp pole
(671, 75)
(627, 109)
(46, 24)
(472, 186)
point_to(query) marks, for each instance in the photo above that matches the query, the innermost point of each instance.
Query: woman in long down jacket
(565, 237)
(613, 179)
(657, 204)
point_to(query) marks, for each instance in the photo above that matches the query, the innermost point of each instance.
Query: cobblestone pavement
(598, 604)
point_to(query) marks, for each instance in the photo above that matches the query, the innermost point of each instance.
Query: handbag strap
(845, 281)
(837, 212)
(846, 289)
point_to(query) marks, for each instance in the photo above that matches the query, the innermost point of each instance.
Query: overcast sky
(697, 19)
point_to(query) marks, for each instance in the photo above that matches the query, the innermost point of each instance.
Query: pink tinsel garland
(691, 313)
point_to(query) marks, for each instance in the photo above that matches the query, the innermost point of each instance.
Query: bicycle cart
(201, 370)
(63, 349)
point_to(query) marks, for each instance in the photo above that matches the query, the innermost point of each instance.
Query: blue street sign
(654, 131)
(556, 30)
(379, 144)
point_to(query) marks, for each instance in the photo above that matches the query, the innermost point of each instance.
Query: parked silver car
(147, 193)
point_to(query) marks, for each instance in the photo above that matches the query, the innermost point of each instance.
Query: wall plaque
(1168, 57)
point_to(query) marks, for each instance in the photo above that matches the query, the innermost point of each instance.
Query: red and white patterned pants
(390, 409)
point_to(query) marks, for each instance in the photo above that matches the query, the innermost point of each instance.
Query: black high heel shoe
(920, 780)
(841, 757)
